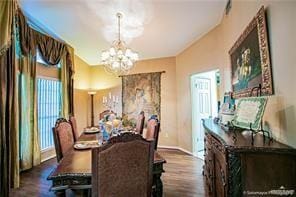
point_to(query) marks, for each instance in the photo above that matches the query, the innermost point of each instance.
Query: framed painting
(250, 60)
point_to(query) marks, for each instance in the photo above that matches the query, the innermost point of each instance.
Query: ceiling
(153, 28)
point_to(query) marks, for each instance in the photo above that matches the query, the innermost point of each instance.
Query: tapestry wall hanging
(141, 92)
(250, 60)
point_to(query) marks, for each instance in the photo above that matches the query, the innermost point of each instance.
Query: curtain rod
(142, 73)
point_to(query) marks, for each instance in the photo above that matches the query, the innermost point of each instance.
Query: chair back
(123, 167)
(106, 112)
(63, 137)
(140, 123)
(153, 126)
(73, 123)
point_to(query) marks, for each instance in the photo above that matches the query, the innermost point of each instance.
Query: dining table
(74, 170)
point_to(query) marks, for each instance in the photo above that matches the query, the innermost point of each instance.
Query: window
(49, 104)
(49, 109)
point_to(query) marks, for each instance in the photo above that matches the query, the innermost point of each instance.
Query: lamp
(119, 59)
(92, 93)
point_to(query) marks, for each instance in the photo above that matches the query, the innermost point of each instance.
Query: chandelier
(119, 59)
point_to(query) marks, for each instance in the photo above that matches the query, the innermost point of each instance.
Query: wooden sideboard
(235, 167)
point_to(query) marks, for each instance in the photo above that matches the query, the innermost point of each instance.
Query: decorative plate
(82, 145)
(92, 130)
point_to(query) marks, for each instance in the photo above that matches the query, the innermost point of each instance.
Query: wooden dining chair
(152, 132)
(73, 123)
(106, 112)
(63, 137)
(123, 167)
(140, 123)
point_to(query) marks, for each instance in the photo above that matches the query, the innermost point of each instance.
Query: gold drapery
(29, 135)
(9, 163)
(70, 80)
(51, 50)
(7, 9)
(65, 90)
(9, 167)
(54, 52)
(26, 60)
(14, 30)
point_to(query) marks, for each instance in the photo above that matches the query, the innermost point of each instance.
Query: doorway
(204, 95)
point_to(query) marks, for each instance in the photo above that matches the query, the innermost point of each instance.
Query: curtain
(71, 63)
(26, 60)
(64, 76)
(69, 80)
(18, 44)
(6, 19)
(9, 166)
(29, 140)
(9, 123)
(26, 35)
(51, 50)
(54, 52)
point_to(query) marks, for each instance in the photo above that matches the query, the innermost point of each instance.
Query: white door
(202, 89)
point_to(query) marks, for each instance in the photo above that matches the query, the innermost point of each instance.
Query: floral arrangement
(128, 122)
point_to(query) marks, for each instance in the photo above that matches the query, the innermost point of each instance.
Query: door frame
(194, 104)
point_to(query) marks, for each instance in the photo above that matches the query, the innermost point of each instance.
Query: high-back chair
(153, 126)
(63, 137)
(140, 123)
(73, 123)
(123, 167)
(106, 112)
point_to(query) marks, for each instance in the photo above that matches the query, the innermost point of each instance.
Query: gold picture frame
(250, 60)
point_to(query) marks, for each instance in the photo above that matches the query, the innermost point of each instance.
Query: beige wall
(100, 79)
(81, 98)
(104, 83)
(168, 135)
(211, 52)
(82, 74)
(208, 53)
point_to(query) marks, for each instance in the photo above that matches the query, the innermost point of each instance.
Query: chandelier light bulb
(105, 55)
(115, 64)
(128, 53)
(112, 51)
(135, 56)
(129, 63)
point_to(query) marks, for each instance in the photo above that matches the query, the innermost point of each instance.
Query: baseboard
(176, 148)
(169, 147)
(186, 151)
(47, 154)
(48, 158)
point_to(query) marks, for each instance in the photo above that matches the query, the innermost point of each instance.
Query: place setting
(82, 145)
(91, 130)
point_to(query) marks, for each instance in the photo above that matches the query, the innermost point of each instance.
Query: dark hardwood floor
(182, 177)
